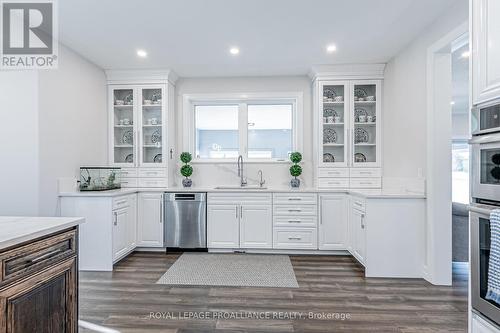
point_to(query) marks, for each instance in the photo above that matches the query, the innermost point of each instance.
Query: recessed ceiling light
(466, 54)
(142, 53)
(331, 48)
(452, 103)
(234, 50)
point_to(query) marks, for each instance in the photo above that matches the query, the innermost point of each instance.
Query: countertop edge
(16, 240)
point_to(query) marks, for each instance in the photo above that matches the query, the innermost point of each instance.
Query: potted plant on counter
(295, 169)
(186, 169)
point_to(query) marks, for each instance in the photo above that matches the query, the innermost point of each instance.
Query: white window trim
(189, 101)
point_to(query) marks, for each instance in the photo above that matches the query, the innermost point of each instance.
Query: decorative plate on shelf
(328, 158)
(330, 113)
(329, 93)
(360, 92)
(329, 135)
(157, 158)
(360, 135)
(156, 136)
(129, 158)
(359, 158)
(359, 112)
(129, 99)
(156, 95)
(128, 138)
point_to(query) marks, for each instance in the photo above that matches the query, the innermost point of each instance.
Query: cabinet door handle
(115, 218)
(161, 212)
(294, 199)
(171, 153)
(241, 211)
(362, 220)
(236, 211)
(294, 238)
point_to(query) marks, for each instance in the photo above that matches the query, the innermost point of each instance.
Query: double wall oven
(485, 192)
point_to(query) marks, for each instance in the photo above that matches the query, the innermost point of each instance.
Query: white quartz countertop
(18, 229)
(367, 193)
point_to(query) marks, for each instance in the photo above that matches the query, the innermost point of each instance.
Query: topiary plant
(295, 169)
(186, 169)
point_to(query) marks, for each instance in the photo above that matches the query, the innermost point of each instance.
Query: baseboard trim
(282, 251)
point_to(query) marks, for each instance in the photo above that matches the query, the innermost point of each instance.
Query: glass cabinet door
(333, 124)
(152, 126)
(365, 127)
(123, 126)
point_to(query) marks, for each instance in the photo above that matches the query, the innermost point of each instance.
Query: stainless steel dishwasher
(185, 220)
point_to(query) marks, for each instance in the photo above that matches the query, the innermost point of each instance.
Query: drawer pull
(121, 202)
(295, 210)
(357, 203)
(295, 199)
(365, 173)
(294, 238)
(294, 221)
(45, 256)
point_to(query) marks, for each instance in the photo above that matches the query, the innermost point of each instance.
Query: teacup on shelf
(361, 99)
(119, 102)
(148, 102)
(370, 98)
(336, 119)
(370, 119)
(339, 98)
(362, 119)
(330, 119)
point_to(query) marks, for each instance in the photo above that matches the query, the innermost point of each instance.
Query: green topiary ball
(186, 170)
(295, 170)
(296, 157)
(186, 157)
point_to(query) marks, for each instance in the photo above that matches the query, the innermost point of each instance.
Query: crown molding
(347, 71)
(130, 76)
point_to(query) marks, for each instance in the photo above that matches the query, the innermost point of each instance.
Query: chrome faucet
(243, 181)
(261, 181)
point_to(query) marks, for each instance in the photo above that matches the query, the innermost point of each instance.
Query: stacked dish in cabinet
(295, 221)
(349, 133)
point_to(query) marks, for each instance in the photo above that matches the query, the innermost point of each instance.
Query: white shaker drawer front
(333, 182)
(121, 202)
(295, 238)
(129, 182)
(296, 221)
(295, 210)
(366, 172)
(128, 172)
(326, 173)
(296, 198)
(153, 173)
(366, 182)
(152, 182)
(227, 198)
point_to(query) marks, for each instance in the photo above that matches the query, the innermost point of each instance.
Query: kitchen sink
(236, 187)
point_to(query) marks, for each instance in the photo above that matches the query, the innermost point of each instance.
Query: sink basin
(235, 187)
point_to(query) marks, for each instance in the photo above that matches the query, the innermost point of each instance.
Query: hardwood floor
(125, 298)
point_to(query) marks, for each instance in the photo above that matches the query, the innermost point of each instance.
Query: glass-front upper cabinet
(334, 123)
(123, 116)
(138, 118)
(152, 125)
(365, 137)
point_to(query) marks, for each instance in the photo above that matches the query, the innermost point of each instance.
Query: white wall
(51, 122)
(18, 143)
(226, 174)
(404, 125)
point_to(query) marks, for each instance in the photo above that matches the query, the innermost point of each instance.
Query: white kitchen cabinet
(121, 221)
(358, 230)
(485, 50)
(150, 219)
(333, 227)
(347, 126)
(239, 220)
(223, 226)
(132, 230)
(256, 230)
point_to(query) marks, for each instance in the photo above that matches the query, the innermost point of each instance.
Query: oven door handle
(482, 210)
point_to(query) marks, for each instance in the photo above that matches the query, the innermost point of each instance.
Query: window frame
(190, 102)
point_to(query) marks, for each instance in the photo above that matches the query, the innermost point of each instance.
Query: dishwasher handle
(197, 197)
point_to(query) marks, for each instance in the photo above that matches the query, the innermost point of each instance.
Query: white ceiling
(276, 37)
